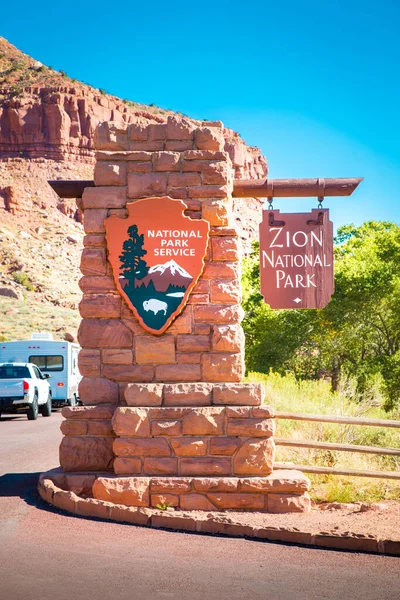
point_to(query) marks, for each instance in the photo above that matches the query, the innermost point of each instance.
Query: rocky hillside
(47, 124)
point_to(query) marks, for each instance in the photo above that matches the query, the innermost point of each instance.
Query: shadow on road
(23, 485)
(17, 484)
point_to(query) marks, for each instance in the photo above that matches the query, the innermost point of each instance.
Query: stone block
(128, 373)
(166, 161)
(132, 446)
(130, 491)
(238, 412)
(217, 313)
(160, 466)
(255, 457)
(242, 394)
(178, 373)
(127, 466)
(179, 129)
(101, 428)
(237, 501)
(209, 191)
(88, 412)
(72, 427)
(93, 220)
(177, 486)
(287, 503)
(140, 167)
(263, 412)
(189, 358)
(216, 484)
(164, 500)
(80, 484)
(133, 515)
(110, 174)
(210, 138)
(195, 502)
(166, 428)
(151, 350)
(205, 155)
(222, 367)
(141, 185)
(223, 446)
(86, 453)
(187, 394)
(157, 131)
(278, 481)
(89, 362)
(111, 135)
(104, 197)
(228, 338)
(104, 333)
(148, 146)
(178, 145)
(143, 394)
(178, 193)
(191, 446)
(138, 132)
(262, 428)
(168, 413)
(215, 172)
(205, 466)
(192, 165)
(193, 343)
(96, 240)
(202, 329)
(224, 291)
(216, 212)
(178, 180)
(225, 248)
(203, 421)
(107, 306)
(93, 261)
(131, 421)
(218, 270)
(97, 390)
(97, 285)
(183, 323)
(117, 356)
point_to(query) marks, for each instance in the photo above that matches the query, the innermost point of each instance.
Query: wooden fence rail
(338, 447)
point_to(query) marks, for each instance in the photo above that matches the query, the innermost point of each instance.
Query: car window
(37, 373)
(12, 372)
(48, 363)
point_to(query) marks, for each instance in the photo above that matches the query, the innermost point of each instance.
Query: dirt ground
(380, 520)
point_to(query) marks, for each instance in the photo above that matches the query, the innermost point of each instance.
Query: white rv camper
(57, 358)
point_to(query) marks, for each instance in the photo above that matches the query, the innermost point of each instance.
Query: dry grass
(286, 394)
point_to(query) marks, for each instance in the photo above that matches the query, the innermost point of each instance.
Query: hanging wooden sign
(296, 259)
(157, 255)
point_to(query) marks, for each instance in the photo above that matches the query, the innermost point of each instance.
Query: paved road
(47, 555)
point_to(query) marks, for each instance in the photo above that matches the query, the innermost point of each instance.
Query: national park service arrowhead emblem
(157, 255)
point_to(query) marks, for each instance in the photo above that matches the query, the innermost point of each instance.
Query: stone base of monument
(86, 493)
(187, 446)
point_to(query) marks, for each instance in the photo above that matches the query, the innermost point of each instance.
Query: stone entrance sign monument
(166, 418)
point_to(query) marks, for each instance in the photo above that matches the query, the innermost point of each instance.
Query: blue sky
(314, 84)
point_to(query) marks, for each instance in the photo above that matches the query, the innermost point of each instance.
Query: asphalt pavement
(46, 554)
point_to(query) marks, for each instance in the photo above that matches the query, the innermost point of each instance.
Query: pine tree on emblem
(132, 265)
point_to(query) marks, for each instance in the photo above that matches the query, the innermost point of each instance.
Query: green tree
(132, 264)
(357, 333)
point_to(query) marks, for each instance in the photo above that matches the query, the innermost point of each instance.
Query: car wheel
(33, 410)
(46, 408)
(72, 400)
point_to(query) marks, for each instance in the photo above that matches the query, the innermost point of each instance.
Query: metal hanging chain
(270, 194)
(321, 191)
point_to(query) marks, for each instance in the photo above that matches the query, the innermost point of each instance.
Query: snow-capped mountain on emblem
(167, 274)
(156, 291)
